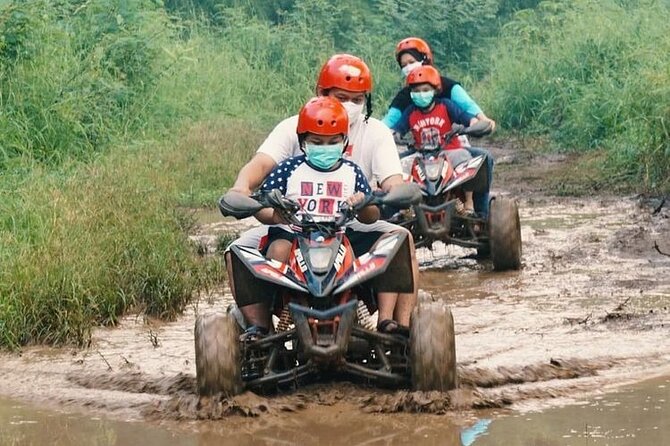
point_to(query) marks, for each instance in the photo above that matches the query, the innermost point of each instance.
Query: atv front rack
(325, 342)
(436, 223)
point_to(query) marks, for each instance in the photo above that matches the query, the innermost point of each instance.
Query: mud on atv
(323, 298)
(437, 218)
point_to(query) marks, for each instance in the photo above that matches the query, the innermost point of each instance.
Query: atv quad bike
(436, 217)
(323, 298)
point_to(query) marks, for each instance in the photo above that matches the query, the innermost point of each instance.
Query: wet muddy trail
(589, 312)
(630, 416)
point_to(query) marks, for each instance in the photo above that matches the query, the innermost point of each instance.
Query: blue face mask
(422, 99)
(324, 157)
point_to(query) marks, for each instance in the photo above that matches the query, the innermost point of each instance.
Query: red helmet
(414, 43)
(323, 116)
(346, 72)
(425, 74)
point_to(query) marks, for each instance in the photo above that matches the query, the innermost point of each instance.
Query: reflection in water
(469, 435)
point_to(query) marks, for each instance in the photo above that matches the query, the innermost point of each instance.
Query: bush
(590, 75)
(74, 77)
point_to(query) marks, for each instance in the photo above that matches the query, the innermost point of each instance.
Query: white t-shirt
(371, 147)
(319, 193)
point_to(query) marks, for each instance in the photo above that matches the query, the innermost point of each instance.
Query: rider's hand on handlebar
(492, 123)
(278, 218)
(355, 199)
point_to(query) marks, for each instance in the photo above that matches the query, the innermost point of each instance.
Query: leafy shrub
(590, 75)
(75, 75)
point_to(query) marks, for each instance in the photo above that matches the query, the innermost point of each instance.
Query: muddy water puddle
(22, 425)
(631, 416)
(588, 310)
(628, 416)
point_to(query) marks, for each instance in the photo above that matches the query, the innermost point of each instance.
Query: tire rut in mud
(135, 382)
(479, 388)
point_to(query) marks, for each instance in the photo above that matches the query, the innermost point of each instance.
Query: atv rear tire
(433, 347)
(217, 354)
(504, 234)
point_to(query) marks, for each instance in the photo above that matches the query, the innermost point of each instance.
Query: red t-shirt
(429, 128)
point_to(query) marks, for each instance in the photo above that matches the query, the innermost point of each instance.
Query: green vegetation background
(119, 117)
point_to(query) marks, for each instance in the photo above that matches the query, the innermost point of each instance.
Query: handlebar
(478, 129)
(239, 205)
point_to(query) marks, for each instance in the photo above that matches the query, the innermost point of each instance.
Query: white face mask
(409, 67)
(353, 111)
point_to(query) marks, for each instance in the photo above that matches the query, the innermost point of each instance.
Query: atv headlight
(433, 170)
(319, 259)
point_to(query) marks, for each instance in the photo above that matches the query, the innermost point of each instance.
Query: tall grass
(84, 246)
(74, 77)
(206, 159)
(593, 76)
(85, 243)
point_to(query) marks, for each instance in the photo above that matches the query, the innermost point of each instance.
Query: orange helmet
(323, 116)
(416, 44)
(346, 72)
(425, 74)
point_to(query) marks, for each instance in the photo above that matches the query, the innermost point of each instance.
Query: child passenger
(320, 181)
(430, 118)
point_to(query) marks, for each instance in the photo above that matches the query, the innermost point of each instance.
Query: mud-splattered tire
(433, 347)
(217, 354)
(504, 234)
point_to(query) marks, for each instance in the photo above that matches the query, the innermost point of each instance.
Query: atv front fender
(387, 266)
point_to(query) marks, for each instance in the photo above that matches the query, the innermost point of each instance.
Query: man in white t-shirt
(371, 146)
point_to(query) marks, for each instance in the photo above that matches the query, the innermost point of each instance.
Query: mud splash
(474, 392)
(135, 382)
(248, 404)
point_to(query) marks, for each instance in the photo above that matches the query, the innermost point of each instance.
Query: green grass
(83, 248)
(592, 77)
(87, 242)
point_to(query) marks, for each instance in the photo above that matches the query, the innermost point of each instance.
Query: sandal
(389, 326)
(462, 210)
(253, 333)
(469, 212)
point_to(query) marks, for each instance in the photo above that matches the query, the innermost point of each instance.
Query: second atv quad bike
(323, 297)
(436, 217)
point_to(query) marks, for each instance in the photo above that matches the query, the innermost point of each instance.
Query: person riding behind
(370, 145)
(430, 118)
(412, 53)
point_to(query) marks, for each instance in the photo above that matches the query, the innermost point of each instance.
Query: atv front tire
(504, 234)
(433, 347)
(217, 354)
